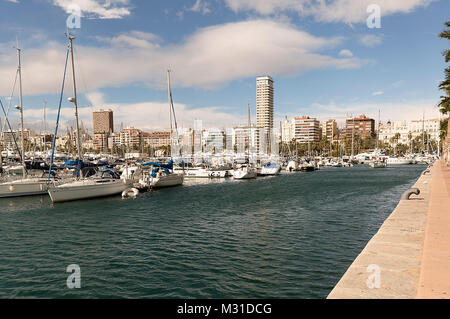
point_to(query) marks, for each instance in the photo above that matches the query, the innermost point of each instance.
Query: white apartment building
(404, 128)
(303, 129)
(213, 140)
(330, 130)
(287, 130)
(264, 102)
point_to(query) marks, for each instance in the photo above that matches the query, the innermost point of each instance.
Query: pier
(409, 256)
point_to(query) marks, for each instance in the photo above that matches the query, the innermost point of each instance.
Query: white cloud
(370, 40)
(347, 11)
(208, 58)
(102, 9)
(200, 6)
(346, 53)
(377, 93)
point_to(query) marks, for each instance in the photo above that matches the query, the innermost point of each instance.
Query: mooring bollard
(406, 195)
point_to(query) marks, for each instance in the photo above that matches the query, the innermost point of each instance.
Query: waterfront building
(157, 139)
(361, 126)
(306, 129)
(330, 130)
(287, 130)
(9, 136)
(103, 121)
(131, 138)
(408, 130)
(245, 138)
(213, 140)
(264, 102)
(103, 124)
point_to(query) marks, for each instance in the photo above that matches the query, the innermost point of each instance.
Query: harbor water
(290, 236)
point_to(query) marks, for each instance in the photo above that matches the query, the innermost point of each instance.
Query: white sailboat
(161, 175)
(104, 183)
(247, 170)
(25, 186)
(200, 172)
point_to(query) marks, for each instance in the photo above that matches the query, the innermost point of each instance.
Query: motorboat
(398, 161)
(270, 169)
(378, 164)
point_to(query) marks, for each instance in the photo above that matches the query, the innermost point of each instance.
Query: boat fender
(12, 188)
(406, 195)
(130, 193)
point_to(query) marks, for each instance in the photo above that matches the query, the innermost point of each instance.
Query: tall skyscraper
(264, 102)
(103, 122)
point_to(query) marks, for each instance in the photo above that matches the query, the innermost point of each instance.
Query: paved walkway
(435, 270)
(390, 264)
(409, 257)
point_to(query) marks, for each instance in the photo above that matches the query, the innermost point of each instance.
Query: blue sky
(324, 59)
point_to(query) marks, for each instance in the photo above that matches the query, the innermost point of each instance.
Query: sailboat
(162, 175)
(26, 186)
(246, 171)
(103, 183)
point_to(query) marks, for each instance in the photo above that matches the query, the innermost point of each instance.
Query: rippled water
(291, 236)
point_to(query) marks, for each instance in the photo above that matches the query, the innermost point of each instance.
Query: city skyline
(344, 67)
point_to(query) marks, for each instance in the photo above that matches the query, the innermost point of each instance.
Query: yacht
(270, 169)
(378, 164)
(399, 161)
(103, 183)
(159, 175)
(244, 171)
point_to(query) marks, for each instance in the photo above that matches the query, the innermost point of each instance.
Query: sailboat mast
(423, 133)
(74, 100)
(19, 71)
(378, 130)
(249, 133)
(353, 135)
(169, 95)
(45, 126)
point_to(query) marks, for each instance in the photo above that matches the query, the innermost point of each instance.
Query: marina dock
(409, 256)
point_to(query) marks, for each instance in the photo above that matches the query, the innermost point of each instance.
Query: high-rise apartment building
(103, 122)
(264, 102)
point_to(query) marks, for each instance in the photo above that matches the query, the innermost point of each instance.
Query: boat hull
(267, 171)
(23, 188)
(70, 193)
(244, 174)
(163, 181)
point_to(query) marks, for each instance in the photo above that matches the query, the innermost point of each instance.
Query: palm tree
(445, 85)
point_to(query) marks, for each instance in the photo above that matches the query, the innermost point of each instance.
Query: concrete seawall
(409, 256)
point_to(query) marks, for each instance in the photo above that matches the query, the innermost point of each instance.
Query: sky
(324, 58)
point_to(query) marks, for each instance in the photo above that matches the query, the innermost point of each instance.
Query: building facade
(306, 129)
(409, 130)
(103, 121)
(361, 126)
(330, 130)
(264, 102)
